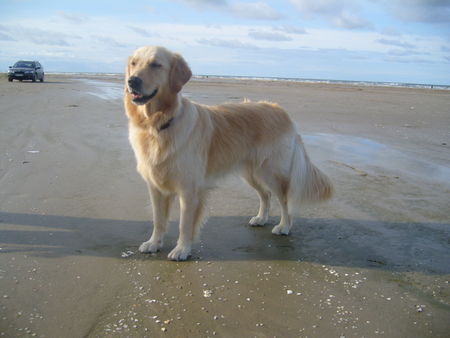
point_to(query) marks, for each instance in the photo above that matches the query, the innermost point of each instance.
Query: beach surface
(374, 261)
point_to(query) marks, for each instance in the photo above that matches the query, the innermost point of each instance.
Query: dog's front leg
(161, 209)
(191, 206)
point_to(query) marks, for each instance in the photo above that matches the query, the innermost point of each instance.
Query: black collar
(165, 125)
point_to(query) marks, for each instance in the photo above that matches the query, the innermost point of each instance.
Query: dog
(182, 148)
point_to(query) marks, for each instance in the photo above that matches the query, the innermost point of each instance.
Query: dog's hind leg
(191, 217)
(161, 209)
(279, 185)
(285, 224)
(264, 200)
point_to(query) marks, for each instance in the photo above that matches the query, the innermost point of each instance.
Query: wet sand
(375, 261)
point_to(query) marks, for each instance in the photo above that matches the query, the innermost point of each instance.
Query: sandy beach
(374, 261)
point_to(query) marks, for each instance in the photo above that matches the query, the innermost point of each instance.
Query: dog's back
(242, 130)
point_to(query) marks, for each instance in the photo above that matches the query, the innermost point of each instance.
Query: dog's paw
(258, 221)
(281, 230)
(180, 253)
(150, 246)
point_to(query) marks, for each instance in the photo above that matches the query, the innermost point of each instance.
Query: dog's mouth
(140, 99)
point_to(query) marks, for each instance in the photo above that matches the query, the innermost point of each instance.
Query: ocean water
(283, 79)
(353, 83)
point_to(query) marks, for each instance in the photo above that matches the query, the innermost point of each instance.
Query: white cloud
(396, 43)
(103, 44)
(290, 29)
(205, 4)
(108, 41)
(142, 32)
(255, 11)
(408, 60)
(403, 52)
(340, 13)
(320, 7)
(240, 9)
(73, 17)
(269, 36)
(351, 21)
(390, 31)
(114, 39)
(348, 13)
(35, 35)
(225, 43)
(426, 11)
(5, 36)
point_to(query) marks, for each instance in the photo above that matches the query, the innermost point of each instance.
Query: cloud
(110, 42)
(319, 7)
(390, 31)
(255, 11)
(290, 29)
(268, 36)
(350, 21)
(35, 35)
(4, 34)
(408, 60)
(73, 17)
(340, 13)
(425, 11)
(203, 4)
(225, 46)
(403, 52)
(244, 10)
(225, 43)
(396, 43)
(142, 32)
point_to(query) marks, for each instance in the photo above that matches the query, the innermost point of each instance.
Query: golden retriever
(182, 148)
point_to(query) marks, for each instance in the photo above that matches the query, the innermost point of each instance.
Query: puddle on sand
(365, 153)
(105, 90)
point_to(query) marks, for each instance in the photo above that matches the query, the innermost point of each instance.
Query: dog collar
(165, 125)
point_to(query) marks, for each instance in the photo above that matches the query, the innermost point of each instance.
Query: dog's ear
(180, 73)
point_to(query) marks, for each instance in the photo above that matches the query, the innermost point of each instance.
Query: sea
(284, 79)
(353, 83)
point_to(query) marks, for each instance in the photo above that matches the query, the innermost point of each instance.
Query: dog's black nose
(135, 82)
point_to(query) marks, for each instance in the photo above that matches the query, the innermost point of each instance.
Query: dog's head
(154, 71)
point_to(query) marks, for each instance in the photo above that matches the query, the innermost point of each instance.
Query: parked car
(26, 70)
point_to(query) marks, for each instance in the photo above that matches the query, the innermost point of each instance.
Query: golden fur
(182, 148)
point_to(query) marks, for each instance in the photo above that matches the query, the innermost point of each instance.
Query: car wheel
(42, 78)
(10, 79)
(33, 78)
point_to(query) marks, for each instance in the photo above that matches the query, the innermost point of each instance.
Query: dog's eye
(155, 65)
(133, 63)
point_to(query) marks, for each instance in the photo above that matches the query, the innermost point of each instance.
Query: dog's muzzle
(135, 89)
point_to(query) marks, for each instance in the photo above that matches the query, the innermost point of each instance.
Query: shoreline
(235, 78)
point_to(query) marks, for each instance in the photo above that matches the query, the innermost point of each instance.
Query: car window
(22, 64)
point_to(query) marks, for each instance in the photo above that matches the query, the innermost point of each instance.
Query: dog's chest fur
(153, 158)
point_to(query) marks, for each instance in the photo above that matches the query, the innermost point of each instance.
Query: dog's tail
(307, 182)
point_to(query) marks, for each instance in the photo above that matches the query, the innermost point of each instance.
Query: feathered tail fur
(307, 182)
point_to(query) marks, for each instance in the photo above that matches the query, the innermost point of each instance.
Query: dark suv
(26, 70)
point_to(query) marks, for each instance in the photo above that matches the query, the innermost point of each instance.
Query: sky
(404, 41)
